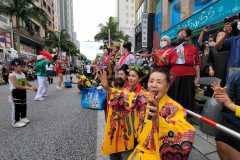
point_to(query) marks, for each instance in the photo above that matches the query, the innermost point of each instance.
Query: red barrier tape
(209, 121)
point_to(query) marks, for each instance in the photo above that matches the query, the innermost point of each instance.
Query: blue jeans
(233, 85)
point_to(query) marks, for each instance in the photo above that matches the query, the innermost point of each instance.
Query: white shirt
(18, 77)
(49, 67)
(88, 68)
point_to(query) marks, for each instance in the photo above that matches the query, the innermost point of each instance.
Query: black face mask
(119, 82)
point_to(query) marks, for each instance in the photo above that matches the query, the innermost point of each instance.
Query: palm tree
(24, 10)
(61, 40)
(111, 25)
(55, 39)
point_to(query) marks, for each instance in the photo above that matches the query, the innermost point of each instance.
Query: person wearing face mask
(185, 70)
(165, 133)
(119, 135)
(161, 56)
(226, 145)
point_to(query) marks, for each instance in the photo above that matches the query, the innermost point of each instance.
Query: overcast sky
(88, 14)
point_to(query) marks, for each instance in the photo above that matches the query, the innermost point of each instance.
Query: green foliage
(62, 41)
(116, 35)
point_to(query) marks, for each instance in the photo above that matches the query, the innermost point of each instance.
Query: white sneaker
(59, 88)
(39, 99)
(19, 124)
(25, 120)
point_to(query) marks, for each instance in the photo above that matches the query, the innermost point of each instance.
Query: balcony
(30, 34)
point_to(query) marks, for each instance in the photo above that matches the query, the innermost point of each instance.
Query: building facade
(172, 15)
(31, 36)
(169, 16)
(66, 16)
(5, 32)
(49, 7)
(144, 18)
(126, 18)
(56, 15)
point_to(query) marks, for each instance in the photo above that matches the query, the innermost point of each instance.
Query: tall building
(49, 7)
(56, 15)
(29, 37)
(66, 16)
(126, 17)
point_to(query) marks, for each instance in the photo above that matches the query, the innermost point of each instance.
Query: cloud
(89, 14)
(90, 49)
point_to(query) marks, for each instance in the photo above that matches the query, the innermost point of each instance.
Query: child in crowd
(18, 86)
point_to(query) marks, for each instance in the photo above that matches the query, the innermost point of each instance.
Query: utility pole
(109, 38)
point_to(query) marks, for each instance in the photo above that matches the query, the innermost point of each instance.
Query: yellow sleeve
(237, 112)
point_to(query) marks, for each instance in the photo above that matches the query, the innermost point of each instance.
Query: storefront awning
(210, 15)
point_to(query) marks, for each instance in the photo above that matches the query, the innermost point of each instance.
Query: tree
(61, 40)
(55, 39)
(111, 25)
(24, 10)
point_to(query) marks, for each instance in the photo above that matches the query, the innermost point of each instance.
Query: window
(44, 4)
(200, 4)
(142, 9)
(175, 12)
(3, 19)
(49, 9)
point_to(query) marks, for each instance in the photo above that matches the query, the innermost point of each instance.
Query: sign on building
(144, 30)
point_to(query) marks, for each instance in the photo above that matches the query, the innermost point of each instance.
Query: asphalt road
(59, 129)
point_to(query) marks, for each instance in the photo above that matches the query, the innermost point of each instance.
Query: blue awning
(210, 15)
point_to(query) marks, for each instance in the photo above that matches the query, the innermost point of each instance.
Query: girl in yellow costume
(166, 135)
(119, 133)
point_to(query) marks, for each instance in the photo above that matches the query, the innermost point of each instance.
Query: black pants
(50, 80)
(19, 104)
(182, 90)
(120, 155)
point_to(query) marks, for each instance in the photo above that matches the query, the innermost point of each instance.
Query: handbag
(93, 98)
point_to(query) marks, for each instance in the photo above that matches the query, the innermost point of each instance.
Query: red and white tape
(214, 124)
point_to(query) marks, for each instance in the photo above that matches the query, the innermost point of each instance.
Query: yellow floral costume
(139, 105)
(168, 137)
(119, 135)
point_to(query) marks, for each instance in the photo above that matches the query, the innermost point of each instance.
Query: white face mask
(238, 25)
(163, 44)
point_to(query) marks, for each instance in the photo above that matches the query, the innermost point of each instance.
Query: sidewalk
(204, 145)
